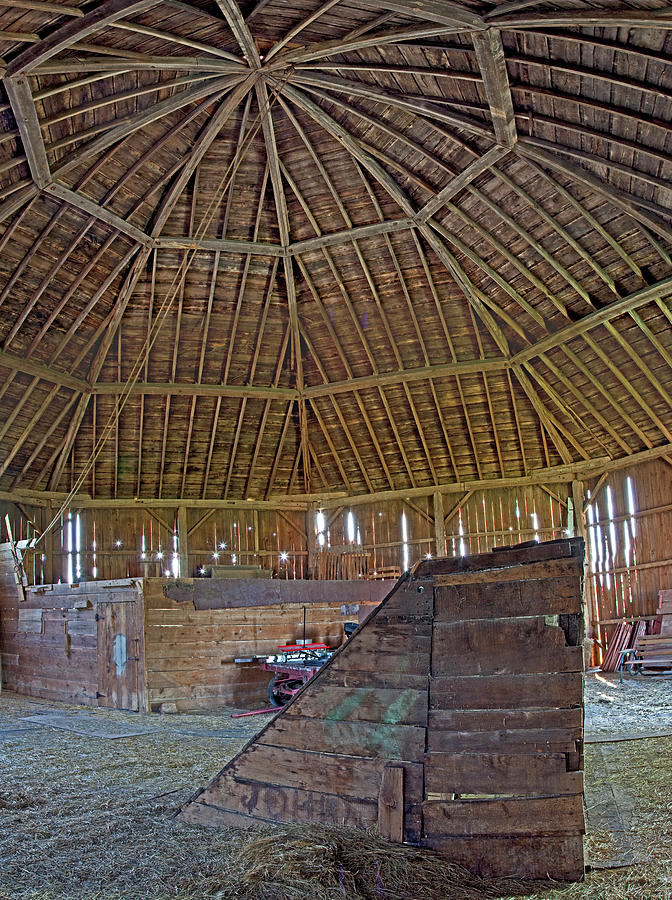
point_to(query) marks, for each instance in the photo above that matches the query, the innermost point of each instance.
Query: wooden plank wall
(378, 527)
(478, 521)
(196, 628)
(630, 556)
(249, 537)
(468, 679)
(49, 641)
(503, 769)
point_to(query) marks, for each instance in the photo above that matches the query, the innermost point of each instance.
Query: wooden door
(118, 655)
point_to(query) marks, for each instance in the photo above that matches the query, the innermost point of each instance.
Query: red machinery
(293, 665)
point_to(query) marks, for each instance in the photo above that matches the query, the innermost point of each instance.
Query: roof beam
(99, 212)
(41, 6)
(219, 245)
(76, 30)
(350, 234)
(25, 114)
(491, 62)
(240, 31)
(52, 376)
(633, 18)
(440, 11)
(606, 313)
(187, 389)
(640, 210)
(459, 182)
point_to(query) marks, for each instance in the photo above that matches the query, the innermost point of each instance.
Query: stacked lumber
(665, 611)
(623, 638)
(452, 718)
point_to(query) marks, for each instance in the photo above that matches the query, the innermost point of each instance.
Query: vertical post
(310, 537)
(255, 529)
(577, 499)
(48, 546)
(578, 491)
(183, 541)
(439, 525)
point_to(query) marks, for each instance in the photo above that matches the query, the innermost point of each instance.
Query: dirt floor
(86, 799)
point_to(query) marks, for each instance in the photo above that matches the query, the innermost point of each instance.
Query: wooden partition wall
(139, 643)
(625, 516)
(452, 718)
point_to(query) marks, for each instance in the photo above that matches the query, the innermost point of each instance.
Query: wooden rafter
(459, 182)
(240, 31)
(491, 62)
(25, 115)
(76, 30)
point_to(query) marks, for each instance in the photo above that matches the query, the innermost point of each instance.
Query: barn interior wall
(627, 520)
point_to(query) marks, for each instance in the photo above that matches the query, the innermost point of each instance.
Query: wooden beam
(25, 114)
(241, 32)
(642, 211)
(221, 245)
(440, 11)
(603, 18)
(99, 212)
(41, 6)
(491, 62)
(52, 376)
(183, 541)
(198, 150)
(662, 288)
(355, 233)
(84, 501)
(76, 30)
(459, 182)
(439, 526)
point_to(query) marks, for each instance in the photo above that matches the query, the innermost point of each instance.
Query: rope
(175, 287)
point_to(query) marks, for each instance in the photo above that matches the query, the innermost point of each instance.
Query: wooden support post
(578, 494)
(183, 541)
(439, 526)
(391, 803)
(579, 520)
(310, 541)
(49, 573)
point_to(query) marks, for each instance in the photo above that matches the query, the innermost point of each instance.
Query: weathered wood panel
(476, 702)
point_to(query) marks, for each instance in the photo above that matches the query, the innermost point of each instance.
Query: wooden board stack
(452, 718)
(665, 611)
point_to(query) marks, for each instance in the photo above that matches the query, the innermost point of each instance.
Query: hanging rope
(173, 291)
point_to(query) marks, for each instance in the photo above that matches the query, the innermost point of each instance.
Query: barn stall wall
(626, 520)
(453, 718)
(138, 643)
(194, 629)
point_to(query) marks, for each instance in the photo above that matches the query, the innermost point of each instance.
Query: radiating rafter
(491, 62)
(76, 30)
(240, 31)
(25, 115)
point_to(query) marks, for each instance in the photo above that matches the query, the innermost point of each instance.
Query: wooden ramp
(452, 718)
